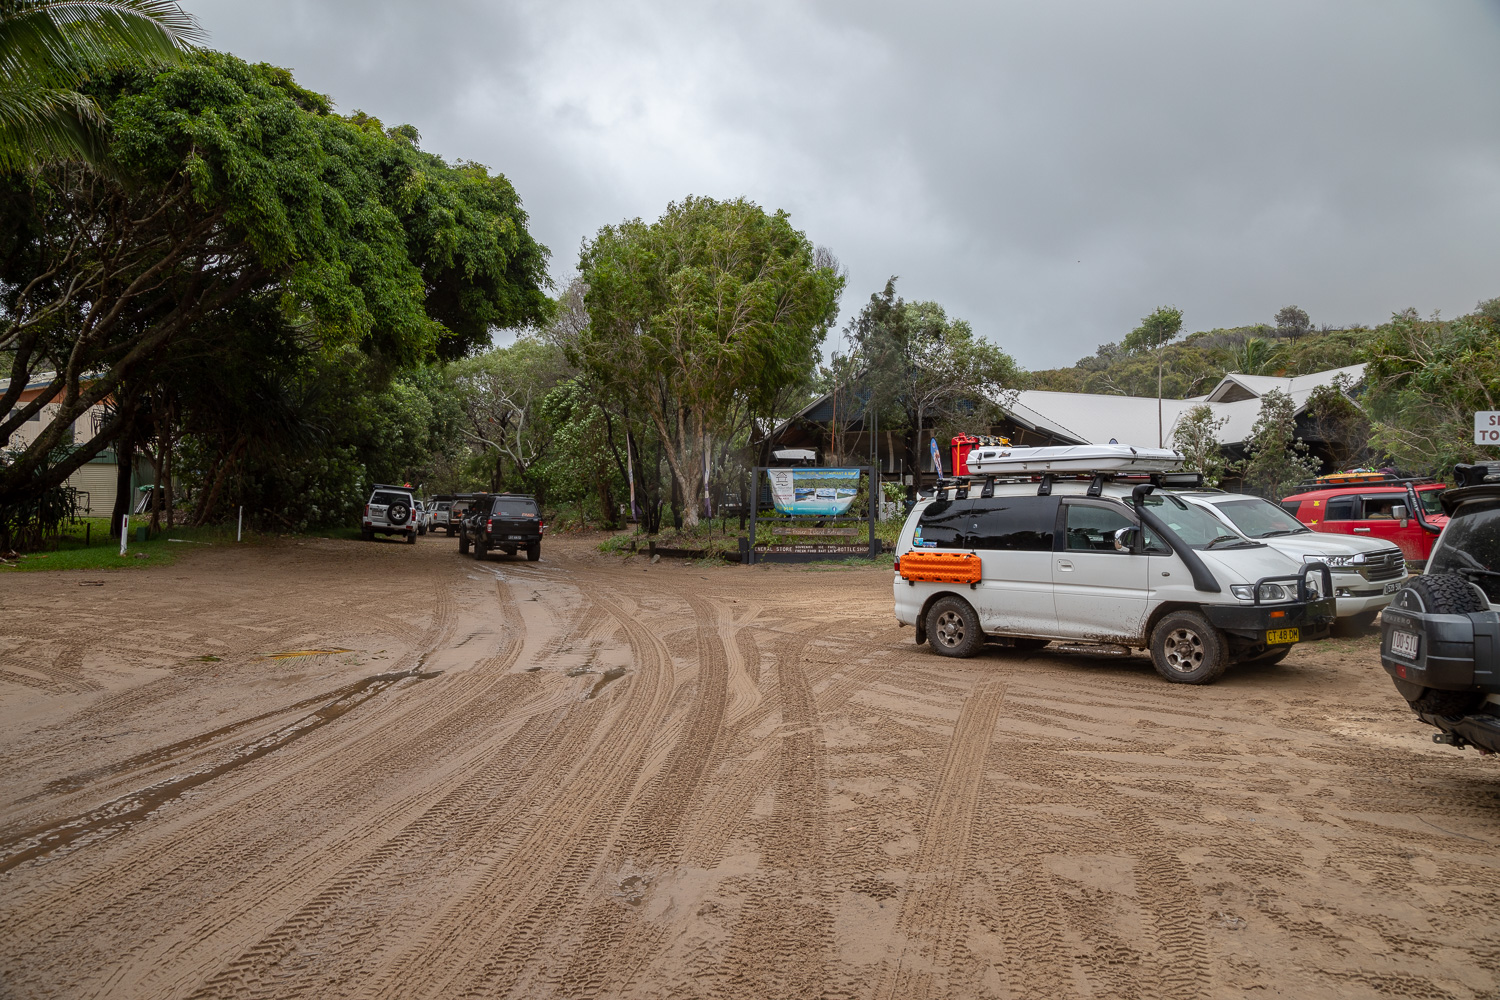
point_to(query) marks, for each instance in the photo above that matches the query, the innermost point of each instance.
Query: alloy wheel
(1183, 650)
(950, 628)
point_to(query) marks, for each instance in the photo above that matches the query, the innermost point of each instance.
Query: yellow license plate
(1282, 636)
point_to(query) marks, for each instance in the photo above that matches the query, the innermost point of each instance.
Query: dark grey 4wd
(510, 522)
(1440, 636)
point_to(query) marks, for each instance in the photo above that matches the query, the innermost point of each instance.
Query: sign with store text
(1487, 427)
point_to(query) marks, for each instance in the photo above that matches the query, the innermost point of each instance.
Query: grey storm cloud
(1049, 171)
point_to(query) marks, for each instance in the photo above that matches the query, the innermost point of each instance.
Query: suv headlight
(1270, 593)
(1337, 562)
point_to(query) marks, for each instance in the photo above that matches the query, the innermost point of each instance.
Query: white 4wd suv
(1367, 572)
(391, 510)
(1027, 562)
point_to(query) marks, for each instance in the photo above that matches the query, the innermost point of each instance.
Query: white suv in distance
(1367, 572)
(391, 510)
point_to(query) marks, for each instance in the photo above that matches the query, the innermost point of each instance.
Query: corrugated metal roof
(1261, 384)
(1095, 418)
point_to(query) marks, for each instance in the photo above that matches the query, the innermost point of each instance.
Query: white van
(1101, 558)
(1367, 572)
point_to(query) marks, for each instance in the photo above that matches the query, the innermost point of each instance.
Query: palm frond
(56, 42)
(40, 124)
(47, 49)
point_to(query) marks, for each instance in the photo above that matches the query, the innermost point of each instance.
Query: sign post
(1487, 427)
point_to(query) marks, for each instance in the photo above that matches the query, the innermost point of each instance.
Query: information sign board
(1487, 427)
(813, 492)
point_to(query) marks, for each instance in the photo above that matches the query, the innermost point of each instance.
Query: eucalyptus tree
(697, 319)
(1154, 334)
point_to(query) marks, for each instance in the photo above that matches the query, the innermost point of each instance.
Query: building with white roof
(1042, 417)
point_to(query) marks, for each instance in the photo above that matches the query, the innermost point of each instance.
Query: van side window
(1291, 506)
(1092, 529)
(1339, 509)
(1015, 524)
(942, 525)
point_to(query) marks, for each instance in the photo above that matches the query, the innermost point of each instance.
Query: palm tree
(1255, 356)
(48, 48)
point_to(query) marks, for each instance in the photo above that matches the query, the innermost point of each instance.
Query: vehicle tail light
(898, 564)
(367, 510)
(489, 525)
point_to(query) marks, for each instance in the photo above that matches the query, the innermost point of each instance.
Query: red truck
(1405, 512)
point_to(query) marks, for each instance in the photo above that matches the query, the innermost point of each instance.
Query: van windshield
(1194, 525)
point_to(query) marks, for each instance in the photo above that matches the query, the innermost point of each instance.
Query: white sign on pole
(1487, 427)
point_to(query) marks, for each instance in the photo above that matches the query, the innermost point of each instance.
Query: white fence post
(239, 529)
(124, 531)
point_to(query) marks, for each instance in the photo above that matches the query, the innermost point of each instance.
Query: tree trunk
(685, 472)
(124, 460)
(206, 505)
(167, 484)
(156, 477)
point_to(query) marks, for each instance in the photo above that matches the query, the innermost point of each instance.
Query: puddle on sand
(612, 674)
(124, 812)
(633, 889)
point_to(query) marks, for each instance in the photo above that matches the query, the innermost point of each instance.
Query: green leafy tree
(1278, 460)
(698, 319)
(925, 371)
(501, 394)
(1197, 437)
(236, 201)
(1340, 423)
(1426, 379)
(1154, 334)
(49, 48)
(1292, 322)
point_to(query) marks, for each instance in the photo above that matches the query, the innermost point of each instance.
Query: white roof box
(1002, 460)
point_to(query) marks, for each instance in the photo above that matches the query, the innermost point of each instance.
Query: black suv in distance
(505, 521)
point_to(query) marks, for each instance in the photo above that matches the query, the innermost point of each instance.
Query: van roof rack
(1097, 478)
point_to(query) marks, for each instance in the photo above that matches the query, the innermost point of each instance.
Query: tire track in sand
(506, 914)
(781, 944)
(933, 923)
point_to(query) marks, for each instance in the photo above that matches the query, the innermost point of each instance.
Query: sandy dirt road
(593, 778)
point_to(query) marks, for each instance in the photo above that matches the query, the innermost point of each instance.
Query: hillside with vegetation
(1194, 364)
(1414, 409)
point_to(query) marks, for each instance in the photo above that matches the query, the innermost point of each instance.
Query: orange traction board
(940, 567)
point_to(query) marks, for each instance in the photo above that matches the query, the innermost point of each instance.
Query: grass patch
(87, 546)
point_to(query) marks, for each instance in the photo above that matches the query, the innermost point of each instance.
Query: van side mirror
(1400, 513)
(1125, 540)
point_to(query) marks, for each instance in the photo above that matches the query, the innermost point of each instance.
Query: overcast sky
(1050, 171)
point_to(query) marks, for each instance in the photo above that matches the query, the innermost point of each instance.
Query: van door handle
(1065, 564)
(1365, 530)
